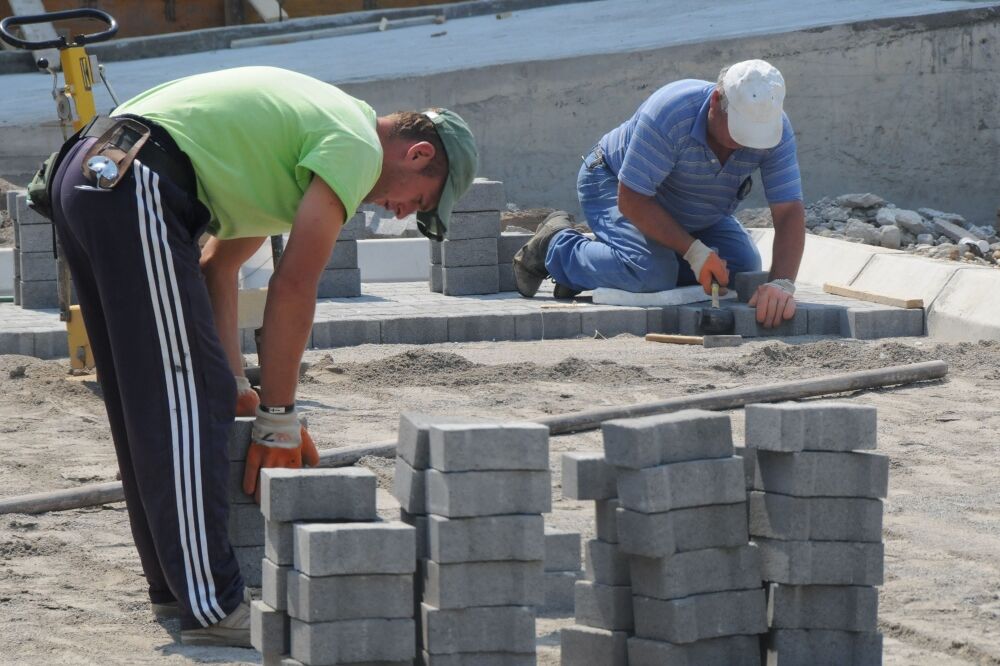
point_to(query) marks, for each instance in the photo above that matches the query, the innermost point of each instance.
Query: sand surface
(71, 590)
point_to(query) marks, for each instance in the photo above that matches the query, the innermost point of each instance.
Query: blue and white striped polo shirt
(663, 151)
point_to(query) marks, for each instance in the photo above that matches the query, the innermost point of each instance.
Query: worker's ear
(420, 154)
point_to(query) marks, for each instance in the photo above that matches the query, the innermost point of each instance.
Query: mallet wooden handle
(675, 339)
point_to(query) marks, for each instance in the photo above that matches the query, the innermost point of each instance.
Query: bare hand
(774, 305)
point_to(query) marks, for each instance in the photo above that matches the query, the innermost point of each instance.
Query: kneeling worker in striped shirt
(659, 194)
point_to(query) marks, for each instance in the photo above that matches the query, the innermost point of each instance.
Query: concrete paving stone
(818, 647)
(436, 279)
(821, 473)
(353, 229)
(681, 530)
(338, 549)
(696, 572)
(562, 550)
(421, 524)
(590, 646)
(749, 463)
(473, 224)
(346, 493)
(612, 321)
(234, 485)
(648, 441)
(824, 320)
(274, 584)
(17, 343)
(603, 606)
(510, 242)
(681, 485)
(414, 330)
(887, 323)
(588, 476)
(470, 280)
(606, 520)
(746, 284)
(747, 326)
(724, 651)
(339, 283)
(269, 629)
(11, 202)
(821, 562)
(701, 617)
(350, 597)
(559, 591)
(560, 323)
(50, 344)
(435, 251)
(814, 426)
(474, 584)
(349, 641)
(606, 563)
(25, 215)
(507, 282)
(687, 319)
(469, 252)
(239, 438)
(479, 659)
(489, 446)
(791, 518)
(414, 441)
(662, 320)
(33, 238)
(40, 295)
(481, 327)
(345, 255)
(246, 525)
(470, 494)
(346, 333)
(486, 539)
(484, 194)
(250, 558)
(409, 487)
(839, 607)
(491, 629)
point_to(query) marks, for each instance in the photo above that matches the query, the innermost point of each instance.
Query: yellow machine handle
(79, 77)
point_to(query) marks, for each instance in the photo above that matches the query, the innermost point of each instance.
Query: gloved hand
(247, 399)
(278, 440)
(775, 302)
(707, 266)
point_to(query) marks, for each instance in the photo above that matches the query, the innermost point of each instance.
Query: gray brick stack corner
(481, 572)
(562, 570)
(468, 260)
(246, 523)
(342, 278)
(816, 515)
(338, 583)
(35, 265)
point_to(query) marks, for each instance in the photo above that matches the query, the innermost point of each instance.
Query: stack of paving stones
(342, 278)
(816, 517)
(482, 558)
(562, 570)
(35, 265)
(467, 261)
(338, 583)
(246, 522)
(683, 585)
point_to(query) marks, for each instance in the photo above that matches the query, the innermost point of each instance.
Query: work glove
(277, 440)
(775, 302)
(707, 266)
(247, 399)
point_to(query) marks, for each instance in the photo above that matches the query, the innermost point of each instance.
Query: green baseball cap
(463, 162)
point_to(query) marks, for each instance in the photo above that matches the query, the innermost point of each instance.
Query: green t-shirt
(255, 136)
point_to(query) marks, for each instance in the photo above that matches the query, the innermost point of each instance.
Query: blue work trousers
(621, 256)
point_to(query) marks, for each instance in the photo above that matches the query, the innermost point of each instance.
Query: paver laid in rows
(489, 629)
(669, 532)
(468, 584)
(333, 549)
(583, 646)
(681, 485)
(481, 447)
(468, 494)
(696, 572)
(588, 476)
(487, 538)
(815, 518)
(701, 616)
(819, 426)
(328, 598)
(604, 606)
(348, 641)
(820, 473)
(746, 284)
(822, 647)
(470, 280)
(821, 562)
(840, 607)
(346, 493)
(683, 436)
(724, 651)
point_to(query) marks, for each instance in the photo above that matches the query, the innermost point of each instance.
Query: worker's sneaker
(165, 610)
(529, 262)
(232, 631)
(563, 293)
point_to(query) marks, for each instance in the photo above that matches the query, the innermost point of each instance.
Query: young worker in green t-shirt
(242, 154)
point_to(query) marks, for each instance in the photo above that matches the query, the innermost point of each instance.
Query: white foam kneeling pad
(678, 296)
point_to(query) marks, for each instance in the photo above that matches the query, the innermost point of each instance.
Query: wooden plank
(675, 339)
(871, 297)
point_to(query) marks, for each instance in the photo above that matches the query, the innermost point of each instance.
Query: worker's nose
(402, 210)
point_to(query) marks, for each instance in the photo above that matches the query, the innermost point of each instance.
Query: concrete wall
(906, 108)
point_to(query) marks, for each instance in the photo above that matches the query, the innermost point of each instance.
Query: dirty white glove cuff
(784, 284)
(280, 431)
(242, 384)
(696, 255)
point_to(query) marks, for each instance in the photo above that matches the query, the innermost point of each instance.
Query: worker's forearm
(288, 319)
(223, 291)
(789, 242)
(654, 222)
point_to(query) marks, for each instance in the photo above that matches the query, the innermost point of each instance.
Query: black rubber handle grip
(50, 17)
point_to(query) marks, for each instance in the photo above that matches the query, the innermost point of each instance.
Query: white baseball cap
(755, 90)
